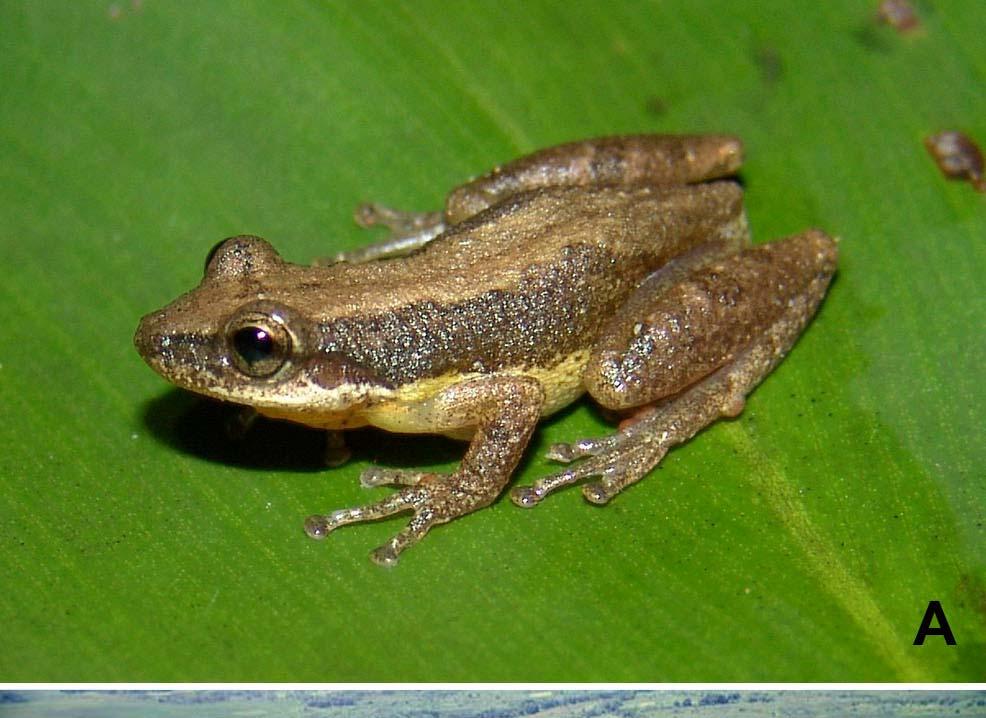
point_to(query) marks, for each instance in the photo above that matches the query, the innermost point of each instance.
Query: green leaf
(801, 541)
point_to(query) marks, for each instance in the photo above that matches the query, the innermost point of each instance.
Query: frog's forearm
(409, 232)
(505, 411)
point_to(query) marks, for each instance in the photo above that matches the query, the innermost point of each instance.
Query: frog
(621, 267)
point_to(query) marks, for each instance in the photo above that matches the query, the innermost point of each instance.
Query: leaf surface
(799, 542)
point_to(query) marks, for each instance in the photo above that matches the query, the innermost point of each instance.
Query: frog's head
(236, 337)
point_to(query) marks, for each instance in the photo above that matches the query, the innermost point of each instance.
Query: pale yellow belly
(412, 412)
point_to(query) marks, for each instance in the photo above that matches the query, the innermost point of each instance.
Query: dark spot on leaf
(870, 37)
(769, 63)
(656, 106)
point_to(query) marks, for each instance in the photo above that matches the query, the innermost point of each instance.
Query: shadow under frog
(202, 428)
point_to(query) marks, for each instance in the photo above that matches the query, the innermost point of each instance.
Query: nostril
(151, 337)
(141, 337)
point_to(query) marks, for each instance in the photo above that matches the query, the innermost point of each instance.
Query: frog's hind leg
(624, 458)
(409, 232)
(626, 160)
(704, 344)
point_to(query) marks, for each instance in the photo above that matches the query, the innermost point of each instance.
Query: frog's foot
(504, 411)
(400, 223)
(336, 451)
(434, 500)
(409, 231)
(617, 461)
(374, 476)
(239, 422)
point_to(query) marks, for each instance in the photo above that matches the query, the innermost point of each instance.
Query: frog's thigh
(621, 160)
(671, 334)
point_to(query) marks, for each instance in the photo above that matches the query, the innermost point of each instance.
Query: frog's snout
(170, 353)
(145, 339)
(153, 340)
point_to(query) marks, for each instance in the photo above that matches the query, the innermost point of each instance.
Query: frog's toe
(530, 496)
(582, 448)
(317, 526)
(565, 452)
(586, 449)
(389, 554)
(385, 556)
(527, 497)
(374, 476)
(426, 515)
(595, 493)
(614, 463)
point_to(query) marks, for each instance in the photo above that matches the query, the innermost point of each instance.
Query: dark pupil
(253, 344)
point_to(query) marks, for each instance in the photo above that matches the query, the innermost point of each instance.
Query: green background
(801, 541)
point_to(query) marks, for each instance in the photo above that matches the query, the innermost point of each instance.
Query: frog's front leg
(409, 232)
(700, 347)
(504, 410)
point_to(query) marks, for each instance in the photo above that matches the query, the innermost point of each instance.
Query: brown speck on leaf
(958, 157)
(899, 15)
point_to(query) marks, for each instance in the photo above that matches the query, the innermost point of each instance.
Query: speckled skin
(655, 160)
(593, 265)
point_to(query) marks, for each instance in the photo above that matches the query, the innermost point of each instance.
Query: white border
(373, 687)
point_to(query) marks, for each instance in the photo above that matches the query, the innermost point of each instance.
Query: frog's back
(523, 285)
(621, 233)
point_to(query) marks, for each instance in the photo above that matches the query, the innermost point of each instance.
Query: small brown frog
(618, 266)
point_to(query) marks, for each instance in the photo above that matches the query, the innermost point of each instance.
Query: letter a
(934, 611)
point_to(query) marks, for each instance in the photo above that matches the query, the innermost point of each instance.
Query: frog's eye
(239, 256)
(260, 345)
